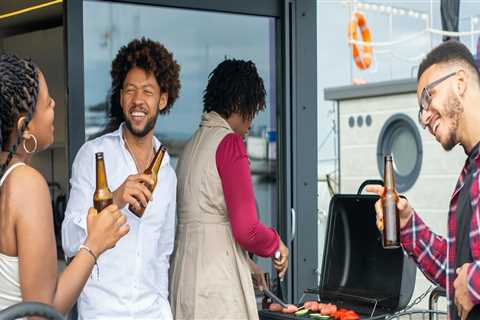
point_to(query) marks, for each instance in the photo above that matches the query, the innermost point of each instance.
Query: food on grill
(327, 309)
(311, 305)
(301, 313)
(275, 307)
(316, 310)
(345, 314)
(291, 309)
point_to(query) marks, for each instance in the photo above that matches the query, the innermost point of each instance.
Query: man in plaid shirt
(448, 92)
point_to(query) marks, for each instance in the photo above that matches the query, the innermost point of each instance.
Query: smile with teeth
(137, 115)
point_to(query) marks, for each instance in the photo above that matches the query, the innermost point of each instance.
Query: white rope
(413, 36)
(453, 33)
(388, 43)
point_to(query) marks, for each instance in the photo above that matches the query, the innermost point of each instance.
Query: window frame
(296, 71)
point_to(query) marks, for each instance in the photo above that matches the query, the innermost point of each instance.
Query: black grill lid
(355, 268)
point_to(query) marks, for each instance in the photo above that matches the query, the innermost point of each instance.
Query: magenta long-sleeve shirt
(233, 168)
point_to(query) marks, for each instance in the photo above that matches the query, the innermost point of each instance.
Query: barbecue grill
(357, 272)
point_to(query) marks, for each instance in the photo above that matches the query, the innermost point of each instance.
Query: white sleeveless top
(10, 293)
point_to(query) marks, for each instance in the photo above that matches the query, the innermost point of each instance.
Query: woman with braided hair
(28, 264)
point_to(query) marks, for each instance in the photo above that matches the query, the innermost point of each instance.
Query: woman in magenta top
(218, 224)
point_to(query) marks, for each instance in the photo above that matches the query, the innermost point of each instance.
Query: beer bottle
(102, 197)
(391, 218)
(151, 171)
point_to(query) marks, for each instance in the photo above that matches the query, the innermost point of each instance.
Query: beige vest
(210, 277)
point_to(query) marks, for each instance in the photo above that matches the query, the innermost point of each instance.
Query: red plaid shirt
(434, 254)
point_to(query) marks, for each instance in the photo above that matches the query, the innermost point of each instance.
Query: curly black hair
(235, 86)
(19, 88)
(152, 57)
(446, 52)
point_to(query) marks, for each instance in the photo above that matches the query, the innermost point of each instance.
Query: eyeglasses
(426, 97)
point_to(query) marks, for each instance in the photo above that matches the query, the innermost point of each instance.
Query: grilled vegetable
(301, 313)
(345, 314)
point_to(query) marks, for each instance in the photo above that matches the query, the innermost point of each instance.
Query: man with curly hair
(132, 281)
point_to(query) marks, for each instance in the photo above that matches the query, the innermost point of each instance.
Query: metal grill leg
(433, 301)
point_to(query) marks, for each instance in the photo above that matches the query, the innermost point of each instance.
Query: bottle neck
(388, 177)
(154, 166)
(101, 174)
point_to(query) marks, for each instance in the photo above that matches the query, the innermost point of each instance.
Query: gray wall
(45, 49)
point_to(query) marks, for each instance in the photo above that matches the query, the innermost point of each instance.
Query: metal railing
(29, 309)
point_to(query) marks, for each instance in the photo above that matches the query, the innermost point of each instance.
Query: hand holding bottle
(404, 209)
(105, 229)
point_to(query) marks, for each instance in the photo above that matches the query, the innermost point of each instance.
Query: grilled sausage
(275, 307)
(291, 309)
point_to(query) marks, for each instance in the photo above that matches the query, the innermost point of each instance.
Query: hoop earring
(35, 144)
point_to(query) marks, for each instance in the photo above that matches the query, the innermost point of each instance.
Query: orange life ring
(358, 21)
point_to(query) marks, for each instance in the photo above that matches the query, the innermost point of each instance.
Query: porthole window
(351, 121)
(368, 120)
(359, 121)
(400, 138)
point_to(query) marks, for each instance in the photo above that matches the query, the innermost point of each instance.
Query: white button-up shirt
(133, 276)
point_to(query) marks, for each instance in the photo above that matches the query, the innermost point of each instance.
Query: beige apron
(210, 277)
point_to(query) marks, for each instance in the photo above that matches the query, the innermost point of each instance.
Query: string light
(396, 11)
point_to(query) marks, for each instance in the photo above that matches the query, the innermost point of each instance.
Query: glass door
(279, 36)
(199, 40)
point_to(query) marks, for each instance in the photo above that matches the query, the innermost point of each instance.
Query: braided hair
(235, 86)
(19, 88)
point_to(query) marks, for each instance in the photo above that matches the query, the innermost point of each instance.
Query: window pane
(405, 151)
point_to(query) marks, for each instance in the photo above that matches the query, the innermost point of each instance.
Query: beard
(453, 111)
(149, 126)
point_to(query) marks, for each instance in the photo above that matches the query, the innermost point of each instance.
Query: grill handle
(367, 182)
